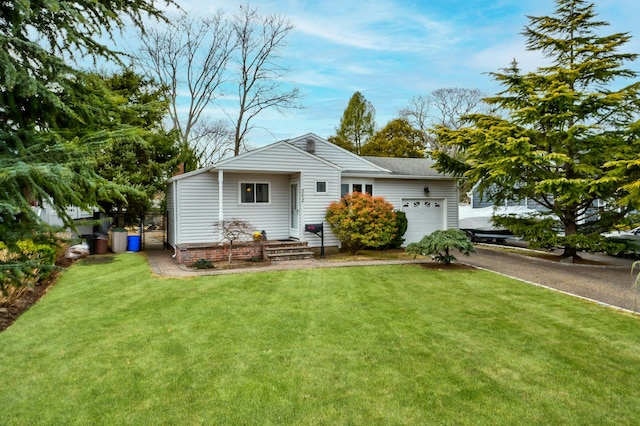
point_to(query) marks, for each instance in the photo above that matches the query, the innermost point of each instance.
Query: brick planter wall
(215, 252)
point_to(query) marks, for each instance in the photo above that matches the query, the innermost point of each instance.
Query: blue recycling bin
(133, 243)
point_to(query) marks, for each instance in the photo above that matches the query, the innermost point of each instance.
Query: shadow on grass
(100, 259)
(449, 267)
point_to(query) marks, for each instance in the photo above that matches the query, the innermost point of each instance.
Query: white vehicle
(633, 234)
(476, 222)
(630, 239)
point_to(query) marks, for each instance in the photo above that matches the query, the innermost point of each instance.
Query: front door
(294, 211)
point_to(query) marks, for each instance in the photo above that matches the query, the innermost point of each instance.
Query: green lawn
(110, 344)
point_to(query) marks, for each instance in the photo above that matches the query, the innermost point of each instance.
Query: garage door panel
(423, 217)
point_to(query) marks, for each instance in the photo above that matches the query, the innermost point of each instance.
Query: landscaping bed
(10, 311)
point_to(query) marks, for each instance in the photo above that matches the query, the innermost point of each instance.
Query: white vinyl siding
(171, 222)
(396, 191)
(314, 204)
(289, 165)
(272, 217)
(335, 154)
(197, 208)
(279, 157)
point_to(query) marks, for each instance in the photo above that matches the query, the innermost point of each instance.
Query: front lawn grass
(110, 344)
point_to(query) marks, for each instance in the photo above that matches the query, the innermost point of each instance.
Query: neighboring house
(479, 213)
(283, 186)
(83, 219)
(480, 200)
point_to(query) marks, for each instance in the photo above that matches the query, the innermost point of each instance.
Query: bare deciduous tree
(211, 141)
(191, 54)
(443, 107)
(233, 230)
(258, 40)
(447, 108)
(453, 104)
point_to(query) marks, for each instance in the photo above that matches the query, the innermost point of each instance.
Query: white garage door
(424, 217)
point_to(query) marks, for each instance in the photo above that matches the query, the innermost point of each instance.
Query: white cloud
(501, 56)
(391, 50)
(376, 27)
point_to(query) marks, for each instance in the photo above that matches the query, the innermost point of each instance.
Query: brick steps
(286, 250)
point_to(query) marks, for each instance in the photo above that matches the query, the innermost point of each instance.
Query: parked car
(633, 234)
(629, 239)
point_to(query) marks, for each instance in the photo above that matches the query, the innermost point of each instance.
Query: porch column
(220, 203)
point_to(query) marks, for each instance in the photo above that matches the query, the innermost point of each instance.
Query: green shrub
(439, 245)
(618, 246)
(401, 227)
(203, 264)
(361, 220)
(26, 263)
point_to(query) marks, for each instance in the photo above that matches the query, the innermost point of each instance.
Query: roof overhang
(395, 176)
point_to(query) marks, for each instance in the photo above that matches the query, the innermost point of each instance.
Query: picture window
(253, 193)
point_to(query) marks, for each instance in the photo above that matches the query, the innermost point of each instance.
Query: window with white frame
(253, 193)
(347, 188)
(368, 189)
(321, 186)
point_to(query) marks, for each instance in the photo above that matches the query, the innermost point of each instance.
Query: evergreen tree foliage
(401, 225)
(441, 243)
(140, 156)
(357, 124)
(563, 125)
(41, 102)
(397, 139)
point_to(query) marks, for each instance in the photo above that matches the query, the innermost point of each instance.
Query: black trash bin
(91, 242)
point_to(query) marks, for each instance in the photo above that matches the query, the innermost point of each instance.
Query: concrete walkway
(163, 264)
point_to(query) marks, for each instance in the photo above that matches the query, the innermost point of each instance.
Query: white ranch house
(283, 186)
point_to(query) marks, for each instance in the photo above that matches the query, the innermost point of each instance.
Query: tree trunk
(570, 252)
(238, 136)
(119, 217)
(570, 229)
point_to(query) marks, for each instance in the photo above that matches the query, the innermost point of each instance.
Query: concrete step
(286, 250)
(283, 250)
(300, 255)
(280, 244)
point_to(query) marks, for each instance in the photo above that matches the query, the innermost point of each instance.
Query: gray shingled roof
(407, 166)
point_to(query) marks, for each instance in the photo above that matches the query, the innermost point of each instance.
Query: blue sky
(392, 50)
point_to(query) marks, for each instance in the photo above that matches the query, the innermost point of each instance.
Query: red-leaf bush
(361, 220)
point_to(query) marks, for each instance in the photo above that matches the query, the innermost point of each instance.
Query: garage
(423, 217)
